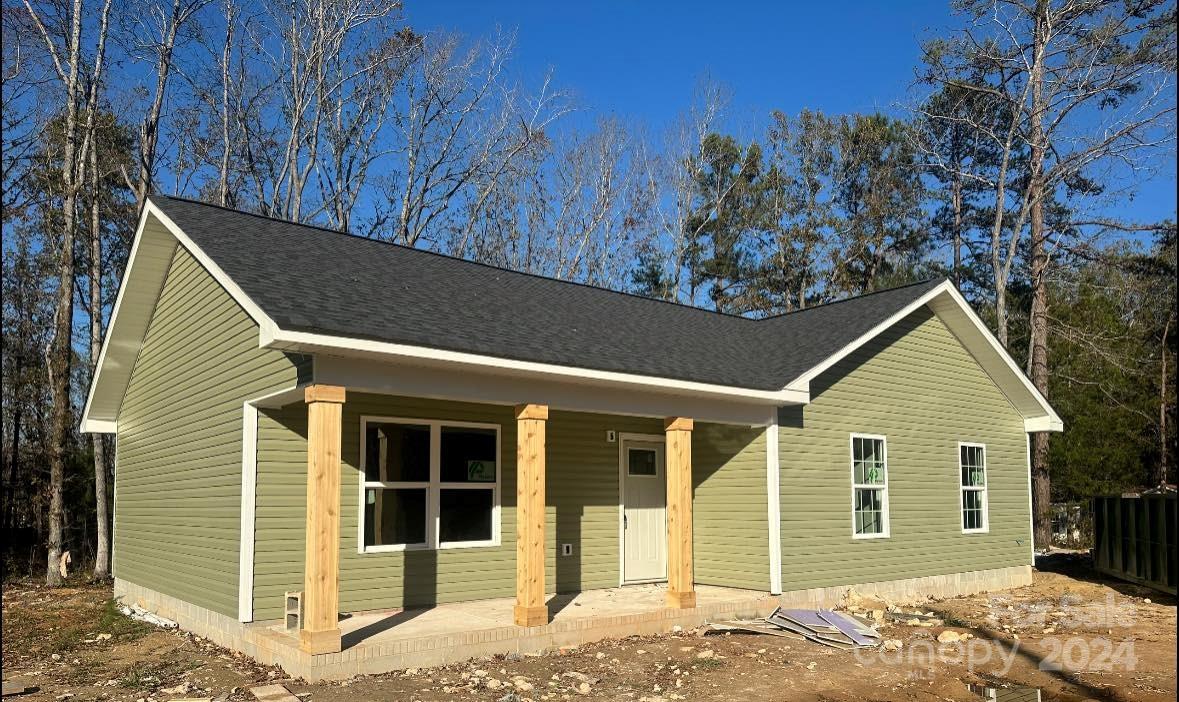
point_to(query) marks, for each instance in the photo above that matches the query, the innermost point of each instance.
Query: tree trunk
(59, 353)
(102, 552)
(957, 196)
(1041, 480)
(1158, 475)
(1001, 312)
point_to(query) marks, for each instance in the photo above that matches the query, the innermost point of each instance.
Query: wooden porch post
(530, 608)
(321, 569)
(681, 593)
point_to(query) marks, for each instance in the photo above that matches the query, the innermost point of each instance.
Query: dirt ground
(1072, 634)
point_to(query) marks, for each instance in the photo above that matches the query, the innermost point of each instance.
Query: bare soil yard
(1072, 634)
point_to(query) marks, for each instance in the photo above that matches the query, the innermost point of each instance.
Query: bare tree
(97, 441)
(572, 210)
(63, 36)
(459, 128)
(155, 29)
(1090, 93)
(670, 171)
(325, 56)
(20, 79)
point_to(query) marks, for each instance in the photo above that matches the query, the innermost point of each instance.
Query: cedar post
(321, 568)
(681, 593)
(530, 608)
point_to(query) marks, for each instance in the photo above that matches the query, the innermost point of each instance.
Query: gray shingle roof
(314, 280)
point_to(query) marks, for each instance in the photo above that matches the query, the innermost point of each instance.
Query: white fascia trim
(311, 342)
(803, 382)
(239, 296)
(1049, 421)
(151, 209)
(99, 426)
(88, 425)
(1052, 421)
(773, 503)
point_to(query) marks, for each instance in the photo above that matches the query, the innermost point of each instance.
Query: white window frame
(985, 490)
(883, 487)
(433, 487)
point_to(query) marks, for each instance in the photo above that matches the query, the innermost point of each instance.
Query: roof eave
(124, 335)
(309, 342)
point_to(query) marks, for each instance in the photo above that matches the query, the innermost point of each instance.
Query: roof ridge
(853, 298)
(459, 259)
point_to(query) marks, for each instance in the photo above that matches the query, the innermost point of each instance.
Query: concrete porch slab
(379, 642)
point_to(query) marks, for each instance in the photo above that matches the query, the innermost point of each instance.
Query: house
(381, 428)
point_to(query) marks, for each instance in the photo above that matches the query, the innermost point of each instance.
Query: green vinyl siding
(179, 440)
(916, 385)
(729, 518)
(581, 497)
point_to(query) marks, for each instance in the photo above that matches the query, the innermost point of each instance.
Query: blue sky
(641, 60)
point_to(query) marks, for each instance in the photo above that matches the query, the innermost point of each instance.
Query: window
(972, 469)
(428, 484)
(869, 487)
(642, 462)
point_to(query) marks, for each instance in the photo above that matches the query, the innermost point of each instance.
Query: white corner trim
(245, 566)
(774, 503)
(249, 502)
(1031, 508)
(311, 342)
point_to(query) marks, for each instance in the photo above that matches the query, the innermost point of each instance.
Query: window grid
(869, 463)
(433, 487)
(972, 480)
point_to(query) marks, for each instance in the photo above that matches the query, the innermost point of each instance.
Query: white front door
(644, 511)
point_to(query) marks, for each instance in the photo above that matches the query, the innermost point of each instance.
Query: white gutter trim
(311, 342)
(249, 503)
(774, 503)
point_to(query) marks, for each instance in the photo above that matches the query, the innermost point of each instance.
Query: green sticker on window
(481, 471)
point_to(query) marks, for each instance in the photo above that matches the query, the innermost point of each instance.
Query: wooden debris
(17, 686)
(273, 693)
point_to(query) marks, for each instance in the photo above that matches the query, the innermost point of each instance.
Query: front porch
(379, 642)
(410, 459)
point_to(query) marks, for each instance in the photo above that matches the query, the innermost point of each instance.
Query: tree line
(1029, 124)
